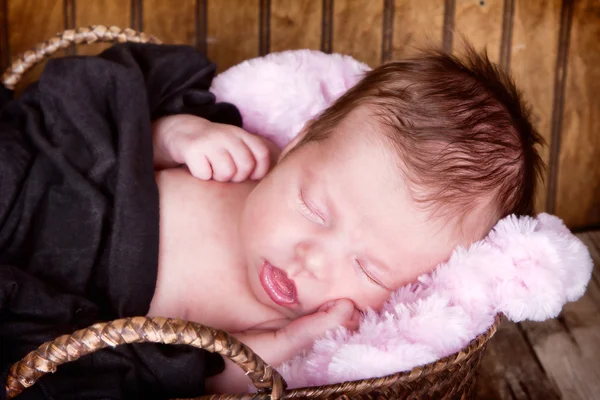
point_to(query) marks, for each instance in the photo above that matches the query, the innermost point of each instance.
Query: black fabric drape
(79, 215)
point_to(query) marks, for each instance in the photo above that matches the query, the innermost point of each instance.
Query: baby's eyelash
(310, 214)
(362, 270)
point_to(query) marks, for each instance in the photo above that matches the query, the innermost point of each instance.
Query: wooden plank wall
(551, 46)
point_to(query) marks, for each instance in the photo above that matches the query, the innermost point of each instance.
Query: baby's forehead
(359, 131)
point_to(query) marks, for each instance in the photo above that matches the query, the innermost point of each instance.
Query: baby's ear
(288, 147)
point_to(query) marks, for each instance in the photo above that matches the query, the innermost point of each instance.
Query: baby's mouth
(278, 286)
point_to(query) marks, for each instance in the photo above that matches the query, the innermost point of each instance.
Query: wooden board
(357, 29)
(532, 62)
(296, 24)
(28, 27)
(173, 25)
(569, 346)
(578, 185)
(417, 24)
(555, 359)
(101, 12)
(232, 31)
(511, 370)
(4, 52)
(480, 21)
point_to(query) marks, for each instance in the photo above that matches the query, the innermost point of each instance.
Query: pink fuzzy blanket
(526, 268)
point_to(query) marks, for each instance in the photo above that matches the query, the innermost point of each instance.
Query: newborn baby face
(335, 220)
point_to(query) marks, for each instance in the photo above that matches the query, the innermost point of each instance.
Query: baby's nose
(313, 258)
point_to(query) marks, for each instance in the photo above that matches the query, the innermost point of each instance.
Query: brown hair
(460, 127)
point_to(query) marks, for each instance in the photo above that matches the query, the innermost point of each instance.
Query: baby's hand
(211, 150)
(301, 333)
(275, 347)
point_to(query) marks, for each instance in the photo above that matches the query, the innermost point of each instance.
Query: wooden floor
(555, 359)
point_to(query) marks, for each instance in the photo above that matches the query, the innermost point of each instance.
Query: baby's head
(420, 156)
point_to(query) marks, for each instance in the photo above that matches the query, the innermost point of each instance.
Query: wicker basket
(452, 377)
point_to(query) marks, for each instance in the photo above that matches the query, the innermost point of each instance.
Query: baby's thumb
(302, 332)
(342, 313)
(338, 310)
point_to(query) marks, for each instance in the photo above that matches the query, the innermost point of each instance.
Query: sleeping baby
(421, 156)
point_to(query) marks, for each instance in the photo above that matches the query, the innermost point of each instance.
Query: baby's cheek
(374, 300)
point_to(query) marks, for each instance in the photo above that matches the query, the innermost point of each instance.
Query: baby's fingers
(303, 331)
(261, 153)
(243, 159)
(200, 168)
(222, 164)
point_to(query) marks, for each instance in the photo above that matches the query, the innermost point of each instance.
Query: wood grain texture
(173, 25)
(28, 27)
(327, 26)
(136, 15)
(357, 29)
(232, 31)
(101, 12)
(296, 24)
(69, 18)
(554, 359)
(508, 18)
(417, 24)
(264, 27)
(4, 51)
(560, 73)
(532, 63)
(510, 369)
(578, 182)
(387, 40)
(448, 30)
(568, 347)
(481, 23)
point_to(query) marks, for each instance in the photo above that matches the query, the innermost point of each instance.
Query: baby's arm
(275, 347)
(211, 150)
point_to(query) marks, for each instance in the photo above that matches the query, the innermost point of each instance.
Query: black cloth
(79, 215)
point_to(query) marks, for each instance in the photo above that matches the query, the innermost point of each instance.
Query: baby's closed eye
(310, 210)
(365, 272)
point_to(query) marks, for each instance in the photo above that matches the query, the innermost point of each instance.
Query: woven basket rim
(475, 346)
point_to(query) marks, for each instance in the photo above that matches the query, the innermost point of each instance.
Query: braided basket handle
(66, 348)
(84, 35)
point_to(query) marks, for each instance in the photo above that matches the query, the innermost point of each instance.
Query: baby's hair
(460, 127)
